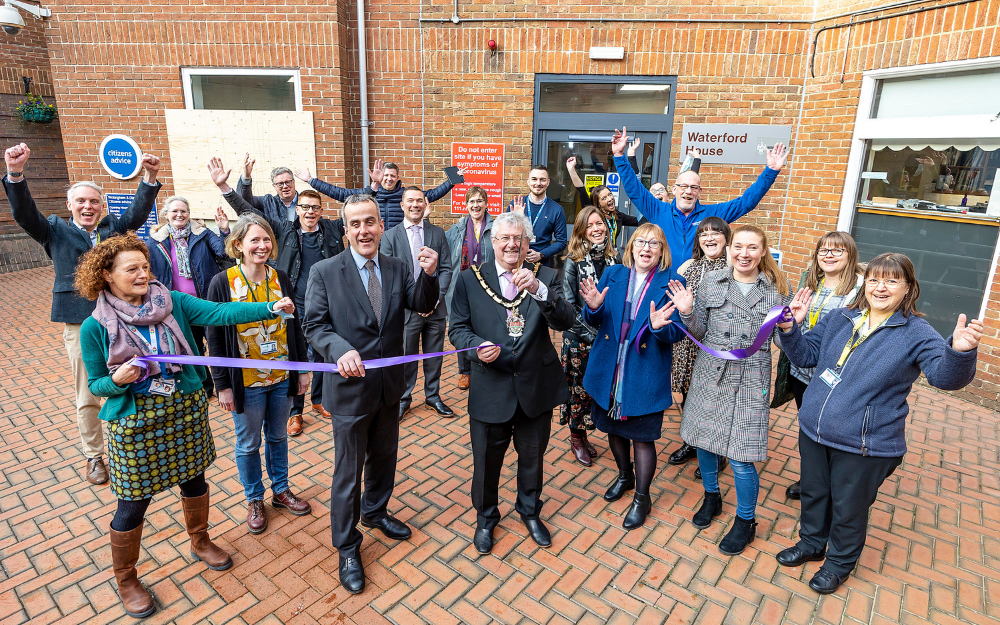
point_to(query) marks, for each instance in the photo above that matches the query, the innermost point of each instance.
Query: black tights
(131, 512)
(645, 460)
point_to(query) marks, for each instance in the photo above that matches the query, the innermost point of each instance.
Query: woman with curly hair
(159, 436)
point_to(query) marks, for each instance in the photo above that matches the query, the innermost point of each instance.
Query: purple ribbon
(252, 363)
(778, 314)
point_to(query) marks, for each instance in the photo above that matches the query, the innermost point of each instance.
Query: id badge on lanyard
(162, 386)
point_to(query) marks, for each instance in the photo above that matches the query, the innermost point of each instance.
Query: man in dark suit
(65, 242)
(355, 305)
(517, 379)
(404, 241)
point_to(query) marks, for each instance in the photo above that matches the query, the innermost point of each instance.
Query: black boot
(710, 508)
(740, 535)
(624, 482)
(636, 516)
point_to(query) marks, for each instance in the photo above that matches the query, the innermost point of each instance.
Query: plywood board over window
(274, 138)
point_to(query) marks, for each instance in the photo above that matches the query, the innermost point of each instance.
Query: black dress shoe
(440, 408)
(794, 491)
(636, 516)
(794, 556)
(392, 528)
(826, 582)
(538, 532)
(722, 467)
(624, 482)
(352, 575)
(483, 540)
(404, 407)
(682, 455)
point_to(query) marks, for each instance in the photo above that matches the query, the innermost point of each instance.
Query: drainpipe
(363, 79)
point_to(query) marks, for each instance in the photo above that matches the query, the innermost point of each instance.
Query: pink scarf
(119, 318)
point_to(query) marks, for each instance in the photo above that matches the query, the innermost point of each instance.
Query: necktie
(415, 244)
(509, 290)
(374, 291)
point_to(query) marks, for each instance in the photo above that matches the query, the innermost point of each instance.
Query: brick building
(910, 172)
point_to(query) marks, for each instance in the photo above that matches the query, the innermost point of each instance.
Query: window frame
(188, 72)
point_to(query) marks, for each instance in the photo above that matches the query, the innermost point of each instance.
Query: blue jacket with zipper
(865, 413)
(205, 251)
(680, 228)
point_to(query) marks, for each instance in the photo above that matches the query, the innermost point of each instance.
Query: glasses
(284, 183)
(685, 187)
(652, 244)
(708, 234)
(507, 238)
(311, 208)
(831, 251)
(891, 283)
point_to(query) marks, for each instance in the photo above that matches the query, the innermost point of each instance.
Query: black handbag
(782, 377)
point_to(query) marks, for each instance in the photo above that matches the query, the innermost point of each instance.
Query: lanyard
(152, 343)
(814, 311)
(528, 209)
(613, 227)
(862, 336)
(267, 283)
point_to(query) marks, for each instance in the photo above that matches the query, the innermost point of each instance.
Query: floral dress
(685, 351)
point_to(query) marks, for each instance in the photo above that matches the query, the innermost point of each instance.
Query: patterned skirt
(574, 361)
(167, 442)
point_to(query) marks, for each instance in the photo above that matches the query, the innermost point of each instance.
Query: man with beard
(545, 216)
(506, 309)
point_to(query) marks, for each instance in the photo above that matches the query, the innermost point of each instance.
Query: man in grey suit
(355, 304)
(404, 241)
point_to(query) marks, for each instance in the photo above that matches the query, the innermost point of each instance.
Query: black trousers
(838, 490)
(299, 401)
(431, 332)
(489, 445)
(366, 443)
(798, 389)
(464, 364)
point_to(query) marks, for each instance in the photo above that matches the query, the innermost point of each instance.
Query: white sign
(735, 144)
(614, 185)
(120, 156)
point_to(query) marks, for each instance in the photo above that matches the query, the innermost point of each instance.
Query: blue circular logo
(121, 156)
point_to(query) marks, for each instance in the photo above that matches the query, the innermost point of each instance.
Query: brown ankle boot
(578, 441)
(590, 446)
(124, 554)
(202, 547)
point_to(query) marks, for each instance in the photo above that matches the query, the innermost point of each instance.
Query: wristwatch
(12, 174)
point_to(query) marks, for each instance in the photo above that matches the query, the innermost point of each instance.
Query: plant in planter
(34, 109)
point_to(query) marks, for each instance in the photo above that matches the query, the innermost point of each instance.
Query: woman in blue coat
(628, 374)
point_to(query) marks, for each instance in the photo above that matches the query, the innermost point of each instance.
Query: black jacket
(339, 318)
(388, 200)
(331, 240)
(222, 341)
(528, 371)
(65, 243)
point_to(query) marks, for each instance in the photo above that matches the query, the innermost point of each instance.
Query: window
(621, 98)
(939, 94)
(242, 89)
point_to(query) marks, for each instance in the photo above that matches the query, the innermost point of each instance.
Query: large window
(604, 97)
(241, 89)
(923, 180)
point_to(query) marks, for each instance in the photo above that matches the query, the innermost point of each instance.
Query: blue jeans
(265, 409)
(745, 476)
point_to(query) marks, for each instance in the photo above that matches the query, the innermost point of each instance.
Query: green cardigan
(188, 311)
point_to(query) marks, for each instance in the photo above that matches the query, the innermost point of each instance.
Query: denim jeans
(265, 409)
(744, 475)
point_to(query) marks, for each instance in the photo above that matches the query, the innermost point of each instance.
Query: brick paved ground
(933, 554)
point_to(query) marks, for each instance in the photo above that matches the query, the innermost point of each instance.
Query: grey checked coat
(726, 411)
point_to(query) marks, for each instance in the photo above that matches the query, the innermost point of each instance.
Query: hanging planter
(34, 109)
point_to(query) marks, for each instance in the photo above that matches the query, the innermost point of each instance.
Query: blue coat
(866, 412)
(389, 201)
(205, 250)
(647, 371)
(549, 228)
(680, 228)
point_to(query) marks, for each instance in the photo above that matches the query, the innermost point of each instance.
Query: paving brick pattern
(933, 554)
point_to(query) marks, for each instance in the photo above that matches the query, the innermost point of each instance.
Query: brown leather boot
(579, 443)
(124, 554)
(202, 547)
(590, 446)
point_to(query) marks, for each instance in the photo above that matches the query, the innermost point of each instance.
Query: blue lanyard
(528, 208)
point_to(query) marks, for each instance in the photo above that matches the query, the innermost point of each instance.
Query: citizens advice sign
(120, 156)
(735, 144)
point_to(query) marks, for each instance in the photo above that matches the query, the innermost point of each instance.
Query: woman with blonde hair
(589, 253)
(727, 411)
(628, 373)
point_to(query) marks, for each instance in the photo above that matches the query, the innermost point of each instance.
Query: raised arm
(22, 205)
(143, 201)
(438, 192)
(244, 186)
(950, 364)
(648, 206)
(734, 209)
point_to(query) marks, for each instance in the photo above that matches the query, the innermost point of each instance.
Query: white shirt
(540, 296)
(92, 234)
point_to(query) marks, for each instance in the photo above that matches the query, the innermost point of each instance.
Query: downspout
(363, 79)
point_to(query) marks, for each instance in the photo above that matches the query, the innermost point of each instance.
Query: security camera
(10, 18)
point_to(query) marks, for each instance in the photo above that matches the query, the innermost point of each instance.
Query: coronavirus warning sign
(482, 166)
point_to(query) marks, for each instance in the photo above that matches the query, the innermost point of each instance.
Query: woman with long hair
(157, 414)
(601, 197)
(727, 411)
(628, 374)
(589, 253)
(852, 423)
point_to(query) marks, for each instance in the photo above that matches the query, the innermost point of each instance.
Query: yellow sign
(592, 180)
